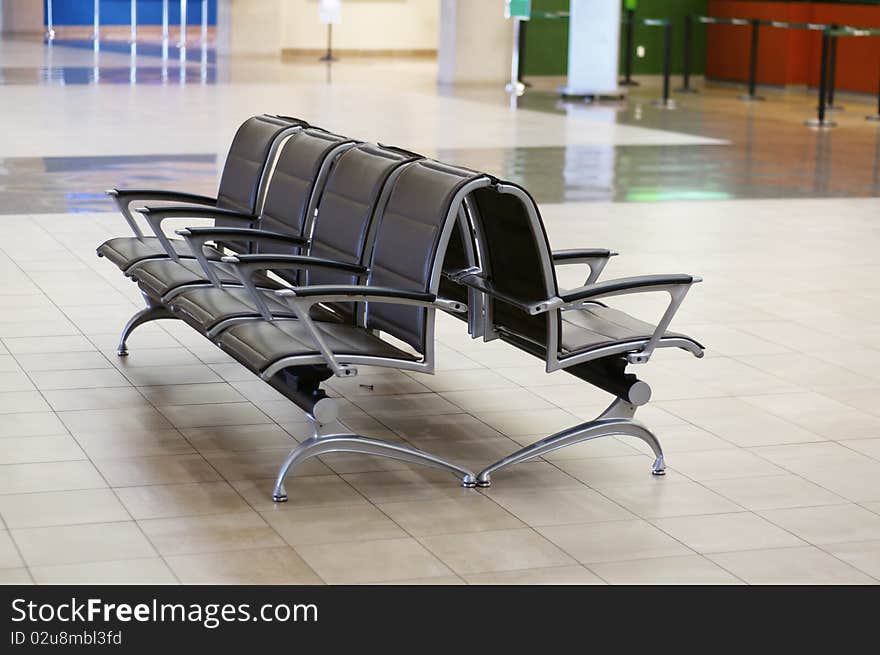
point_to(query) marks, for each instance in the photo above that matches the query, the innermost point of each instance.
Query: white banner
(330, 12)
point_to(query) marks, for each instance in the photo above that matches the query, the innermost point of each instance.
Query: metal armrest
(247, 265)
(124, 198)
(474, 281)
(319, 293)
(197, 237)
(155, 216)
(676, 285)
(302, 298)
(626, 285)
(594, 258)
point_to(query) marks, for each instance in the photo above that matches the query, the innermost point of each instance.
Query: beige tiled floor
(158, 468)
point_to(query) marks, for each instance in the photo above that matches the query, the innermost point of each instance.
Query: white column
(96, 34)
(182, 23)
(475, 43)
(134, 20)
(593, 47)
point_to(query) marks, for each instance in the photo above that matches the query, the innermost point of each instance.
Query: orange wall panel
(792, 56)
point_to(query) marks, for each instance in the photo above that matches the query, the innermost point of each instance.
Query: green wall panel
(547, 39)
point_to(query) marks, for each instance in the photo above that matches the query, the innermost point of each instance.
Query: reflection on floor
(157, 468)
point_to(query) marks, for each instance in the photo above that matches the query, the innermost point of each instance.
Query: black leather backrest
(295, 179)
(247, 159)
(407, 243)
(519, 264)
(347, 208)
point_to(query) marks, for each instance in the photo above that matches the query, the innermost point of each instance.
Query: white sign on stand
(330, 12)
(593, 48)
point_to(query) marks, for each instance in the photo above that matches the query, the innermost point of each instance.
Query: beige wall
(406, 25)
(249, 27)
(22, 16)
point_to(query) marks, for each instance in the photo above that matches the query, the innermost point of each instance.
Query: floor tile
(209, 533)
(146, 571)
(775, 492)
(470, 513)
(828, 525)
(557, 575)
(539, 507)
(683, 570)
(93, 542)
(276, 566)
(49, 476)
(718, 533)
(169, 469)
(318, 525)
(804, 565)
(613, 541)
(61, 508)
(497, 550)
(372, 561)
(23, 450)
(172, 500)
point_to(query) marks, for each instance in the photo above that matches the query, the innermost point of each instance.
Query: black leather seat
(127, 251)
(158, 277)
(595, 326)
(262, 343)
(239, 192)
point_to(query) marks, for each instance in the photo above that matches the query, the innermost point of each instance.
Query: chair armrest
(250, 264)
(595, 258)
(302, 298)
(676, 285)
(124, 197)
(155, 216)
(628, 285)
(197, 237)
(201, 235)
(129, 195)
(356, 293)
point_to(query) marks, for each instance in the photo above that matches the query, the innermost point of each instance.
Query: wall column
(475, 42)
(21, 17)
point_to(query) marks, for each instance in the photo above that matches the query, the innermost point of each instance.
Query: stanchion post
(876, 117)
(753, 64)
(134, 21)
(204, 21)
(96, 33)
(328, 56)
(832, 72)
(50, 22)
(515, 86)
(183, 13)
(628, 49)
(665, 102)
(687, 48)
(820, 121)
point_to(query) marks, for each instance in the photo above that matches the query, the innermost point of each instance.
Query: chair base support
(335, 438)
(617, 419)
(152, 312)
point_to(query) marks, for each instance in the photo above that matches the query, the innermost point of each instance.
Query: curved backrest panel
(348, 206)
(519, 264)
(407, 241)
(247, 161)
(296, 178)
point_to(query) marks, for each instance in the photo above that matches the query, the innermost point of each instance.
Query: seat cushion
(127, 251)
(159, 276)
(205, 307)
(595, 326)
(258, 344)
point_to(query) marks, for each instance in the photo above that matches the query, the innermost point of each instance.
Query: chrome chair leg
(347, 442)
(149, 313)
(616, 420)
